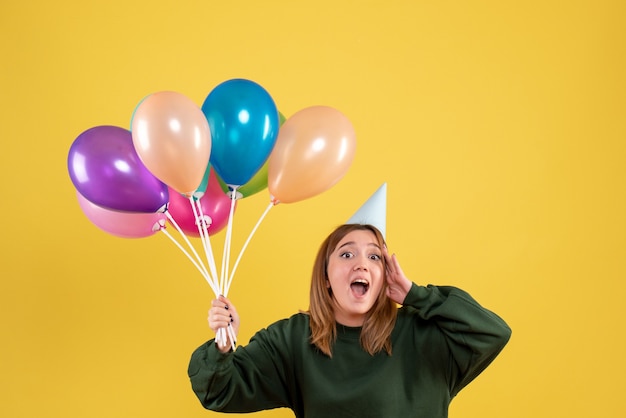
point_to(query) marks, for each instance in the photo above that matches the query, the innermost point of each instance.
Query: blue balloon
(244, 123)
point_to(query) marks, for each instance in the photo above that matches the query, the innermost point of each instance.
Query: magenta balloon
(105, 169)
(215, 204)
(122, 224)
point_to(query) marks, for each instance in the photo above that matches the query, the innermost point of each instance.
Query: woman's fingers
(391, 263)
(221, 313)
(224, 321)
(398, 284)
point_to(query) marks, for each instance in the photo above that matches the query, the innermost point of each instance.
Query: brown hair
(379, 321)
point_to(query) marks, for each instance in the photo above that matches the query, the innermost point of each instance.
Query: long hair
(379, 321)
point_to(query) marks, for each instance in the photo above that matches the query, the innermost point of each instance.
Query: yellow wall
(498, 126)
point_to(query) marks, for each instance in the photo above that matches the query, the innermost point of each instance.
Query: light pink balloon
(313, 151)
(215, 205)
(173, 139)
(122, 224)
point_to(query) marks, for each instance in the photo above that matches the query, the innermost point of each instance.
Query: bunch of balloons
(189, 165)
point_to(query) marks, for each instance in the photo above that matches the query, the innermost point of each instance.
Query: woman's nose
(360, 265)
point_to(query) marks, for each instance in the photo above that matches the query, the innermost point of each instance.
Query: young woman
(355, 353)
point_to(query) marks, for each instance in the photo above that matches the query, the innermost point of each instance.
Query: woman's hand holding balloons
(223, 315)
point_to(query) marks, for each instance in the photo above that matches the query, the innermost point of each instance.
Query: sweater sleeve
(251, 378)
(474, 335)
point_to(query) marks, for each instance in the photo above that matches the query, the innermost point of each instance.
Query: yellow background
(498, 126)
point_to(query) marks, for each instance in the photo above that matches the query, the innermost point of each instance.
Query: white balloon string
(202, 271)
(199, 221)
(225, 249)
(219, 337)
(204, 236)
(231, 334)
(228, 240)
(245, 245)
(193, 249)
(231, 217)
(222, 338)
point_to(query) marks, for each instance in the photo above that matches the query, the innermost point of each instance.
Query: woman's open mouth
(359, 287)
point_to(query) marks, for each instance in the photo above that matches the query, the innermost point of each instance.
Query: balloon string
(245, 246)
(204, 236)
(199, 260)
(201, 270)
(227, 244)
(220, 337)
(231, 215)
(231, 334)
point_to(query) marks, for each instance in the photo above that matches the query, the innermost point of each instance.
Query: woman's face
(355, 275)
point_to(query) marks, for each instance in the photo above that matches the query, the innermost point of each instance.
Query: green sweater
(441, 341)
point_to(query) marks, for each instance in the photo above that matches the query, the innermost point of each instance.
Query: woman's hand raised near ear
(398, 284)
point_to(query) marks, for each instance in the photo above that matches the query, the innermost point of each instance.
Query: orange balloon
(313, 151)
(172, 137)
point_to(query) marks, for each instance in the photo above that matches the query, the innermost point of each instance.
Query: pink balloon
(122, 224)
(214, 202)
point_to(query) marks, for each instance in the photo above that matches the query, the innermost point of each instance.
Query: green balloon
(257, 183)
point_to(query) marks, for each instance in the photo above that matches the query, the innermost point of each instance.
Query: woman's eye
(375, 257)
(345, 255)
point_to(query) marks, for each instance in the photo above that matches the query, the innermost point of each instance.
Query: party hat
(373, 211)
